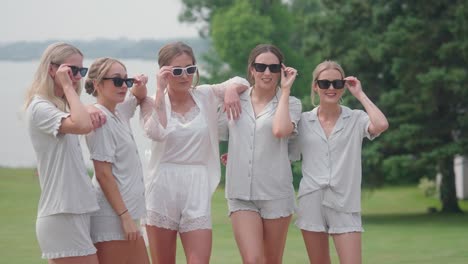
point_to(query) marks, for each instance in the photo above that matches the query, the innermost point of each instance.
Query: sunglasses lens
(118, 82)
(323, 84)
(129, 82)
(260, 67)
(275, 68)
(339, 84)
(83, 72)
(177, 71)
(74, 70)
(191, 70)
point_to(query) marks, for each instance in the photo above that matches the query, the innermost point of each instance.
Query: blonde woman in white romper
(259, 186)
(55, 117)
(118, 173)
(184, 169)
(330, 141)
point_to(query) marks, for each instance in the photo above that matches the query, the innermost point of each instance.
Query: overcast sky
(89, 19)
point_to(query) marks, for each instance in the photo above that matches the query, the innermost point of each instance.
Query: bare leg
(348, 247)
(275, 232)
(122, 251)
(90, 259)
(317, 246)
(197, 246)
(162, 244)
(248, 231)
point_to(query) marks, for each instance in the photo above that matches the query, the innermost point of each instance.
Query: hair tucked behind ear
(97, 71)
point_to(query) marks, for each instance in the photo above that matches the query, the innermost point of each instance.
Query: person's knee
(253, 259)
(198, 259)
(273, 259)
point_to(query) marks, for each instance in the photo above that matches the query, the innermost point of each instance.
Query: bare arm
(109, 186)
(139, 89)
(79, 121)
(232, 105)
(282, 124)
(378, 121)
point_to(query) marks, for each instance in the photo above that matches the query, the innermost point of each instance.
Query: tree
(412, 60)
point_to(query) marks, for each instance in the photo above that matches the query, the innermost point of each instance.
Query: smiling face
(108, 93)
(184, 81)
(330, 95)
(266, 80)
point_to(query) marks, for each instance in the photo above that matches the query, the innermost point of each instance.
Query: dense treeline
(411, 57)
(146, 49)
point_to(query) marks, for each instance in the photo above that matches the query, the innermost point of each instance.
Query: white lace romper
(179, 198)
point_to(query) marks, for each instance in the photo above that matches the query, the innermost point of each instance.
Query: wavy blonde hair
(43, 84)
(323, 66)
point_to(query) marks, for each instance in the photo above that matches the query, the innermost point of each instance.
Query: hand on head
(353, 84)
(162, 77)
(288, 75)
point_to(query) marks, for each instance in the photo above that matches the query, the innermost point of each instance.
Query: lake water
(15, 146)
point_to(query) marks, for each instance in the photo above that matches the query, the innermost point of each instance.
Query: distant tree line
(146, 49)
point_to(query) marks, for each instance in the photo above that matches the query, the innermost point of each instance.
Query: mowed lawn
(397, 227)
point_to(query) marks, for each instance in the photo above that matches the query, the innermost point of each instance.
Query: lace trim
(155, 219)
(66, 254)
(203, 222)
(107, 237)
(188, 116)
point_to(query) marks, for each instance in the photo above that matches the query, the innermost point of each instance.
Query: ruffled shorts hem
(107, 237)
(70, 253)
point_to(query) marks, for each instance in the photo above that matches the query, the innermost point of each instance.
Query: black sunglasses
(118, 82)
(325, 84)
(74, 69)
(261, 67)
(190, 70)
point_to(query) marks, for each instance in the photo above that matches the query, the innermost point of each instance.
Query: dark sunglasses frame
(261, 67)
(325, 84)
(83, 71)
(189, 70)
(118, 82)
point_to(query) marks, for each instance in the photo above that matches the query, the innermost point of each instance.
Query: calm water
(15, 146)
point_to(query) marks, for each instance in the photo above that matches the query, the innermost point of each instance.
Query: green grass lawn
(397, 227)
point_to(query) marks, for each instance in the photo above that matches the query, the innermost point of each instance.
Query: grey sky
(90, 19)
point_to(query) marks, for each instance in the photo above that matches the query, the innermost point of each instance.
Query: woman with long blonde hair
(56, 117)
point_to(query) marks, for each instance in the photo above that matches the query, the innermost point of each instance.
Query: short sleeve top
(114, 143)
(65, 184)
(333, 163)
(258, 167)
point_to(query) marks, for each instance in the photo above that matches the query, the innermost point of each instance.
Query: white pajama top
(65, 184)
(114, 143)
(334, 163)
(258, 167)
(201, 148)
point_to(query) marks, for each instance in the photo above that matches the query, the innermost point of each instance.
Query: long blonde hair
(43, 84)
(323, 66)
